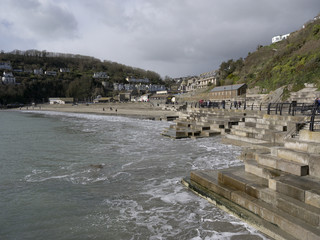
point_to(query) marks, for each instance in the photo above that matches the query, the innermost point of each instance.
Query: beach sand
(131, 109)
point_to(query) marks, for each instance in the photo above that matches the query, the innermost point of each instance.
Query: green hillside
(290, 62)
(78, 82)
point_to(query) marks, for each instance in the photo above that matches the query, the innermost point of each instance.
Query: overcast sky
(172, 37)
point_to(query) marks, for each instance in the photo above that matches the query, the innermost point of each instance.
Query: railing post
(311, 126)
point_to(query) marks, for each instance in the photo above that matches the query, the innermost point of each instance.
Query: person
(235, 104)
(223, 104)
(317, 104)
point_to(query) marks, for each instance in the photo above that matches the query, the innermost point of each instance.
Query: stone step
(175, 134)
(217, 126)
(298, 209)
(183, 123)
(251, 166)
(209, 180)
(210, 133)
(275, 127)
(250, 129)
(259, 134)
(241, 180)
(247, 124)
(291, 155)
(310, 147)
(245, 139)
(308, 136)
(291, 167)
(296, 227)
(305, 189)
(205, 183)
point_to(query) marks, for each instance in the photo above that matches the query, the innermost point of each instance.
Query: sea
(84, 176)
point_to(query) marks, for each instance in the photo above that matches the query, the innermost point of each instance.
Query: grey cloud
(40, 19)
(173, 37)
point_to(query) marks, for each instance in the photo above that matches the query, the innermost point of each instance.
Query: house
(100, 75)
(5, 66)
(38, 71)
(124, 97)
(161, 98)
(229, 92)
(64, 70)
(60, 100)
(207, 78)
(100, 99)
(8, 78)
(280, 38)
(140, 80)
(50, 73)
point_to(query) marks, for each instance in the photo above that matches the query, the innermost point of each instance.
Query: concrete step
(269, 126)
(250, 129)
(310, 147)
(183, 123)
(251, 166)
(210, 133)
(285, 226)
(294, 226)
(291, 155)
(291, 167)
(305, 189)
(298, 209)
(209, 179)
(245, 139)
(175, 134)
(247, 124)
(241, 180)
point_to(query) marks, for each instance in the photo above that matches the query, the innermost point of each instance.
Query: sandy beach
(131, 109)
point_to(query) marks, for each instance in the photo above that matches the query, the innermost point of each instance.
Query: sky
(174, 38)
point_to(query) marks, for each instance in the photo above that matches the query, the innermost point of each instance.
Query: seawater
(51, 187)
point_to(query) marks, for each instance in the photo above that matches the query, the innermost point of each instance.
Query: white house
(60, 100)
(8, 78)
(280, 38)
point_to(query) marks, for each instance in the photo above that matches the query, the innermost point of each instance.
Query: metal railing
(290, 108)
(314, 123)
(228, 105)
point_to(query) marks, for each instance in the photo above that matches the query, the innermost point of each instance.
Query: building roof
(228, 87)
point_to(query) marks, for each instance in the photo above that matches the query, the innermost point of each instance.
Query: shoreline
(135, 110)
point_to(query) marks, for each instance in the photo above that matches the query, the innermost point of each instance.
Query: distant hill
(290, 62)
(72, 76)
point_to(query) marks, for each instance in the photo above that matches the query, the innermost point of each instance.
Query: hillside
(77, 81)
(290, 62)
